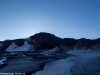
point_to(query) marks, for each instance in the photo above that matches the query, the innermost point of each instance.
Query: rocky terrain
(35, 54)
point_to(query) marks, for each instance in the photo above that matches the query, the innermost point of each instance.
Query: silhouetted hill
(45, 40)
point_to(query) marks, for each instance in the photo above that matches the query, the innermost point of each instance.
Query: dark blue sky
(64, 18)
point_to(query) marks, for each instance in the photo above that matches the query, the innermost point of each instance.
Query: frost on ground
(23, 64)
(20, 64)
(59, 67)
(84, 63)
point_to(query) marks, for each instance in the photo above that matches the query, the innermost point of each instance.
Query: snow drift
(26, 47)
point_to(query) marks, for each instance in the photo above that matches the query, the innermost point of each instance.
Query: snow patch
(59, 67)
(48, 52)
(2, 61)
(14, 47)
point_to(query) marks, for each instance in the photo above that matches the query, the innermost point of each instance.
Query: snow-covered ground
(85, 63)
(2, 60)
(48, 52)
(14, 47)
(59, 67)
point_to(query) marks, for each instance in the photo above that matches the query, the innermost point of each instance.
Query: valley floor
(77, 62)
(84, 63)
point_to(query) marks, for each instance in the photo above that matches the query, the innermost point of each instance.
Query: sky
(64, 18)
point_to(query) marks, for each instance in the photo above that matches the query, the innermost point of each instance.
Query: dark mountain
(45, 40)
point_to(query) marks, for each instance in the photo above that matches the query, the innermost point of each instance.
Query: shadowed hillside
(45, 40)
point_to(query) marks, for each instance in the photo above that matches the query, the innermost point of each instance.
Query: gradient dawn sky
(64, 18)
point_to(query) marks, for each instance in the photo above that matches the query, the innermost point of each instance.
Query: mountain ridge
(45, 40)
